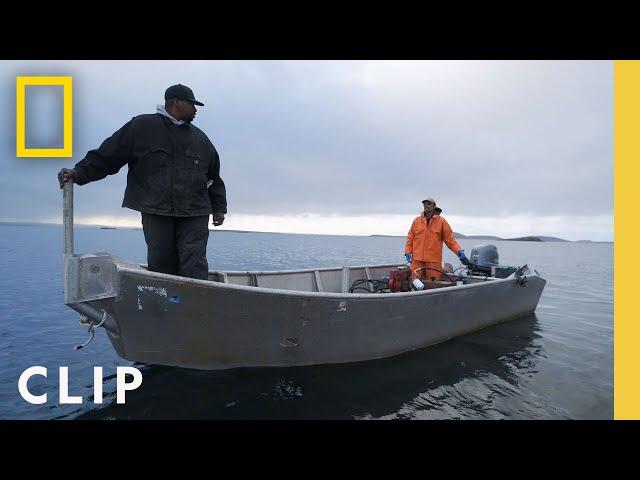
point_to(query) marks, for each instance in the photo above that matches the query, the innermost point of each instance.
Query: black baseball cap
(181, 92)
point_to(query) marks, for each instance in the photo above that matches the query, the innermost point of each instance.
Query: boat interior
(360, 280)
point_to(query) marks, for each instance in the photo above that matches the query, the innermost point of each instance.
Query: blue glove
(463, 258)
(409, 257)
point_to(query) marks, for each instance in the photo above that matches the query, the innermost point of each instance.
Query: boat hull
(167, 320)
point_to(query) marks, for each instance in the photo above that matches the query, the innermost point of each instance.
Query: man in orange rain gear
(424, 242)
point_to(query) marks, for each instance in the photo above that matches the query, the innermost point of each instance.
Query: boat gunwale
(128, 268)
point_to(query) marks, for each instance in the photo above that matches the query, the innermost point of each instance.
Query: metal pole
(67, 216)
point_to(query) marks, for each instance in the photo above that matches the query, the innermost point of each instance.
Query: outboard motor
(483, 257)
(484, 261)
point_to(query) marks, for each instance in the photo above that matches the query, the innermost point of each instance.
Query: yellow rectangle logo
(67, 128)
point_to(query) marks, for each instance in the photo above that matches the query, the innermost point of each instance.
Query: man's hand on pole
(65, 174)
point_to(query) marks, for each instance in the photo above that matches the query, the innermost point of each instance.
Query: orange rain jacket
(425, 240)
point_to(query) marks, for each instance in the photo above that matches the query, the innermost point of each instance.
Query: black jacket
(170, 167)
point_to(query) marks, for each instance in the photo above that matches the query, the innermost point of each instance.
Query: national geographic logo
(67, 128)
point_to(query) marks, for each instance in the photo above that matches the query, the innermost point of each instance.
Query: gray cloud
(353, 137)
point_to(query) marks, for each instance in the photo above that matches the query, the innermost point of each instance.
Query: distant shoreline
(460, 236)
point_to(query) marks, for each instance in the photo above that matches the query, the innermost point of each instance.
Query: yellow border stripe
(626, 231)
(67, 115)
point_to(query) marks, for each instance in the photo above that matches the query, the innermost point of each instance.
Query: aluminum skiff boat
(278, 318)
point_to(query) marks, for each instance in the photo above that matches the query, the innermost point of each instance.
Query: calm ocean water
(555, 364)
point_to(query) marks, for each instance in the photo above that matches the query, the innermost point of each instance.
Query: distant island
(530, 238)
(536, 238)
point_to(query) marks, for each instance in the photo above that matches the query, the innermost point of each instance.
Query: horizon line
(462, 235)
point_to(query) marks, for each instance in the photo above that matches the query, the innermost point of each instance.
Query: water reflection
(413, 385)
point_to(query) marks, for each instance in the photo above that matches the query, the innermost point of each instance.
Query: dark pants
(177, 245)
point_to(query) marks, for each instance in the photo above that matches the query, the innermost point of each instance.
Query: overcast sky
(507, 148)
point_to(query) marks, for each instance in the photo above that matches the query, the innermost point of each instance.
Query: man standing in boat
(173, 181)
(424, 242)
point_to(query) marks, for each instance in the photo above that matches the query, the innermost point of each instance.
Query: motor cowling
(483, 257)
